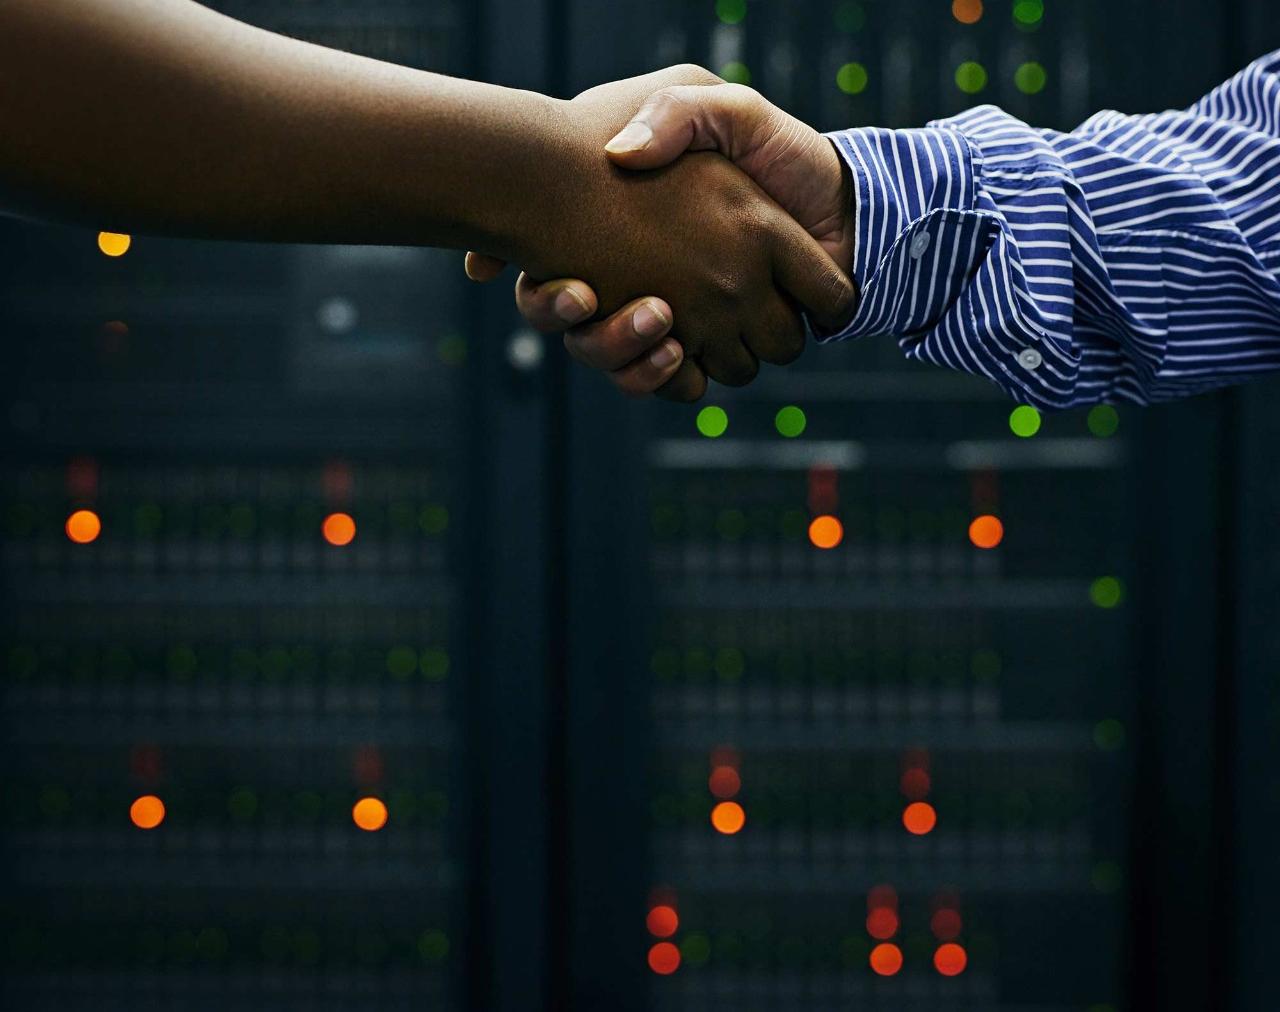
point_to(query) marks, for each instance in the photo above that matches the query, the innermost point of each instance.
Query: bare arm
(164, 116)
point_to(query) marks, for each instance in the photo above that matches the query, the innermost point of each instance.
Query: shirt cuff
(925, 238)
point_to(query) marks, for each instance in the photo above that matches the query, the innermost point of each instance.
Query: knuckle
(692, 73)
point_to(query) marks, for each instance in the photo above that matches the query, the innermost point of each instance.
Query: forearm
(162, 116)
(1134, 258)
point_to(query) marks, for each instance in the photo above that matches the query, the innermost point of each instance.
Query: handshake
(699, 220)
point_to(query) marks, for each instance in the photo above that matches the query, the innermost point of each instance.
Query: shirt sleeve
(1135, 258)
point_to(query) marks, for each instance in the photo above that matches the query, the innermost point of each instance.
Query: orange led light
(147, 812)
(882, 923)
(728, 817)
(986, 531)
(950, 959)
(664, 958)
(826, 532)
(724, 782)
(915, 783)
(919, 818)
(886, 959)
(662, 921)
(369, 814)
(338, 529)
(83, 526)
(967, 12)
(945, 923)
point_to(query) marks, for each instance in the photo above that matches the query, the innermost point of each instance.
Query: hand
(724, 245)
(790, 161)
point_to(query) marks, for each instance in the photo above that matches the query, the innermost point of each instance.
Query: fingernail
(648, 321)
(635, 136)
(665, 355)
(570, 307)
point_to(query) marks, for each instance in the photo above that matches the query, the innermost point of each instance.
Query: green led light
(452, 349)
(1028, 12)
(401, 662)
(851, 16)
(434, 664)
(1103, 421)
(1030, 78)
(712, 421)
(1106, 592)
(731, 524)
(243, 804)
(1108, 734)
(971, 77)
(434, 519)
(736, 73)
(433, 946)
(790, 421)
(731, 11)
(1024, 421)
(852, 79)
(1106, 876)
(695, 948)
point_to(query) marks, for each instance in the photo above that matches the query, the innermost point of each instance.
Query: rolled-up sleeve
(1135, 258)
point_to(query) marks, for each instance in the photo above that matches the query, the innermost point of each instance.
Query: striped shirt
(1135, 258)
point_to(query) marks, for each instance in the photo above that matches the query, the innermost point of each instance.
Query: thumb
(689, 117)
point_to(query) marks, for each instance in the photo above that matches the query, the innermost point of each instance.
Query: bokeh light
(1024, 421)
(882, 896)
(83, 526)
(986, 531)
(731, 12)
(724, 782)
(790, 421)
(919, 818)
(1103, 421)
(712, 421)
(826, 532)
(950, 959)
(1028, 12)
(338, 529)
(1030, 78)
(882, 923)
(886, 959)
(852, 78)
(114, 244)
(915, 783)
(728, 817)
(1106, 592)
(662, 921)
(945, 923)
(1108, 734)
(736, 72)
(967, 12)
(664, 958)
(147, 812)
(971, 77)
(370, 814)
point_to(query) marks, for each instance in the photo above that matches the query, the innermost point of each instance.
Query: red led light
(950, 959)
(945, 923)
(664, 958)
(886, 959)
(724, 782)
(882, 923)
(882, 896)
(662, 921)
(915, 783)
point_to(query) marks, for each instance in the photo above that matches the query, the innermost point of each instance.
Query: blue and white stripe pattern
(1136, 258)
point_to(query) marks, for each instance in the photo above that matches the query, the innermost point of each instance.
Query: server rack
(541, 696)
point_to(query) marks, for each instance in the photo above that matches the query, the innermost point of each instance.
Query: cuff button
(1029, 358)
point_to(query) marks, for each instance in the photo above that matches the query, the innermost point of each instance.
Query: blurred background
(359, 652)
